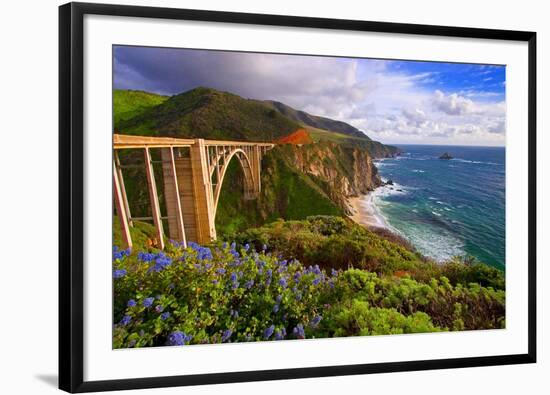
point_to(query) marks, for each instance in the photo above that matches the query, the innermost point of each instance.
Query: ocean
(446, 207)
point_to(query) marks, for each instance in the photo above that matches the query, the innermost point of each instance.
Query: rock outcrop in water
(446, 156)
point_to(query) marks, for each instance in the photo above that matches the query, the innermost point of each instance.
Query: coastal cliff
(341, 172)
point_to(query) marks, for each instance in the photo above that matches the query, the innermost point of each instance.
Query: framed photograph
(253, 197)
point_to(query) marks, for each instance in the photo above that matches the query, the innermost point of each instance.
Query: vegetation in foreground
(249, 292)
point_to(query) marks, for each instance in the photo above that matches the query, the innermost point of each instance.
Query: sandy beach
(365, 211)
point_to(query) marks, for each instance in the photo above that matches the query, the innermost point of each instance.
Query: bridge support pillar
(203, 199)
(256, 161)
(172, 196)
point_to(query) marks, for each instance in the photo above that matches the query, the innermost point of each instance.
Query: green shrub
(361, 319)
(338, 243)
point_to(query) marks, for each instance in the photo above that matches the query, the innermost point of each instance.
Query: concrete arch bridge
(193, 171)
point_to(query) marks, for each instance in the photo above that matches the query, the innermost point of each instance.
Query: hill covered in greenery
(314, 121)
(208, 113)
(129, 103)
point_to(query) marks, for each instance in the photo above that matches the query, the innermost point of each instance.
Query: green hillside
(315, 121)
(375, 148)
(208, 113)
(129, 103)
(212, 114)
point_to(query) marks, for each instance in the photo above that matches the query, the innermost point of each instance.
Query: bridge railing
(123, 141)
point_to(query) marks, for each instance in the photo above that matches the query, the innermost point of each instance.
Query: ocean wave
(477, 162)
(421, 158)
(440, 246)
(387, 190)
(418, 171)
(435, 241)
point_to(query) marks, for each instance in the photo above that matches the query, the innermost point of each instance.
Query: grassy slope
(129, 103)
(143, 235)
(375, 148)
(316, 121)
(208, 113)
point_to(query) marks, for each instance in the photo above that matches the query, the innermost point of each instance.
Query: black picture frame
(71, 198)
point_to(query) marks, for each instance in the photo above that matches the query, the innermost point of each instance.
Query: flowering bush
(224, 294)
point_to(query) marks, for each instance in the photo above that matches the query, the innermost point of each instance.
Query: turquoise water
(447, 207)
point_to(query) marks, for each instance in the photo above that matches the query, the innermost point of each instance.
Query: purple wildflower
(146, 256)
(282, 282)
(119, 273)
(178, 338)
(148, 302)
(131, 303)
(125, 320)
(315, 321)
(299, 332)
(164, 316)
(249, 284)
(226, 335)
(269, 331)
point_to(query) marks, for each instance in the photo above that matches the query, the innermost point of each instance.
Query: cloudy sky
(407, 102)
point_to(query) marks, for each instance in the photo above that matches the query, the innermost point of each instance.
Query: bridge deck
(122, 141)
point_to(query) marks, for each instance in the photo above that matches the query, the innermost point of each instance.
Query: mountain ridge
(316, 121)
(209, 113)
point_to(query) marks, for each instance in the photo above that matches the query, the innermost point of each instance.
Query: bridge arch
(219, 174)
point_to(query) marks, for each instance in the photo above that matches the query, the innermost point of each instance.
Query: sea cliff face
(339, 171)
